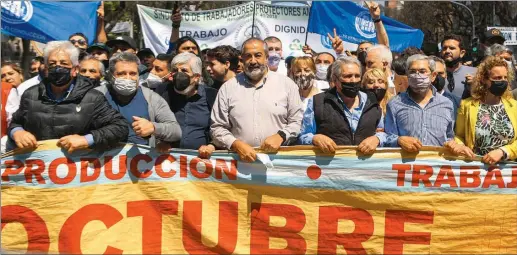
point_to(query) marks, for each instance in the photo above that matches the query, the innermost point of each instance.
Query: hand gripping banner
(134, 200)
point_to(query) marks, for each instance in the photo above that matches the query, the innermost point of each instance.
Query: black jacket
(332, 122)
(84, 111)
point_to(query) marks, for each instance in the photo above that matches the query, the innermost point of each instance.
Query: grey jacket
(166, 127)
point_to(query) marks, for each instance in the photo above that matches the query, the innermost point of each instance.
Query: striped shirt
(433, 125)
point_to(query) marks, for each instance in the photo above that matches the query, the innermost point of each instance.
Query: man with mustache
(257, 108)
(459, 76)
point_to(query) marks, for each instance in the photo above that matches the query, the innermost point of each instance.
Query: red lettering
(29, 171)
(227, 230)
(221, 166)
(488, 181)
(193, 168)
(513, 183)
(133, 166)
(261, 231)
(158, 166)
(108, 167)
(401, 173)
(71, 173)
(445, 176)
(183, 166)
(328, 236)
(394, 235)
(84, 169)
(151, 212)
(417, 176)
(70, 234)
(465, 176)
(37, 232)
(12, 167)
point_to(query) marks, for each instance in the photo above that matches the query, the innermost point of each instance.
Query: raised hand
(337, 43)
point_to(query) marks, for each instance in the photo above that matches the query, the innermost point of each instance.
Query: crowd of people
(96, 96)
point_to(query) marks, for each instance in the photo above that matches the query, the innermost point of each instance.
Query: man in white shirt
(276, 62)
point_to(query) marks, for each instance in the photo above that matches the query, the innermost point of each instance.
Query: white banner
(232, 26)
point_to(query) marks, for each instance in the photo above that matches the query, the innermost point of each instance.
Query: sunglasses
(80, 42)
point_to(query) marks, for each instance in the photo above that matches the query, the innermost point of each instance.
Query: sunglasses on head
(80, 42)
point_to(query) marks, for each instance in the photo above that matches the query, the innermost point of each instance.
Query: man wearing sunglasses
(79, 40)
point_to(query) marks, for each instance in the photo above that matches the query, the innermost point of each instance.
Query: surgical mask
(498, 87)
(124, 87)
(273, 59)
(378, 92)
(419, 83)
(439, 83)
(304, 82)
(181, 83)
(59, 76)
(509, 63)
(350, 89)
(321, 71)
(153, 80)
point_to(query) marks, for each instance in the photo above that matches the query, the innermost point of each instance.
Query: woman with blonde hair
(304, 74)
(375, 81)
(12, 73)
(487, 122)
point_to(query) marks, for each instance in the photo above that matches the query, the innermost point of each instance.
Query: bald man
(257, 108)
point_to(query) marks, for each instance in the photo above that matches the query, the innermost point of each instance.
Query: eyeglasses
(80, 42)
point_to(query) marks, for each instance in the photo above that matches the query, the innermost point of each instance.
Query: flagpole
(308, 21)
(253, 22)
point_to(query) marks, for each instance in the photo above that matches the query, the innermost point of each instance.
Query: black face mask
(350, 89)
(106, 64)
(439, 82)
(361, 56)
(452, 63)
(59, 76)
(180, 81)
(498, 88)
(378, 92)
(34, 74)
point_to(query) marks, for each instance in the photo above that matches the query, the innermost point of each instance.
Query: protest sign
(132, 200)
(49, 21)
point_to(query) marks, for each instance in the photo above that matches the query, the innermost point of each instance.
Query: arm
(101, 31)
(166, 128)
(450, 126)
(308, 125)
(460, 124)
(108, 127)
(220, 118)
(294, 111)
(380, 30)
(390, 128)
(381, 135)
(175, 32)
(12, 104)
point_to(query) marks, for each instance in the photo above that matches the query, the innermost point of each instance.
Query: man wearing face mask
(323, 62)
(220, 63)
(64, 106)
(343, 115)
(420, 116)
(380, 56)
(441, 82)
(150, 121)
(160, 73)
(275, 60)
(257, 107)
(191, 102)
(459, 76)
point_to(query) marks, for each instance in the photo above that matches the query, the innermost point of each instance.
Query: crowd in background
(96, 96)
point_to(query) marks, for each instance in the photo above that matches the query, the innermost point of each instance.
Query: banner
(133, 200)
(49, 21)
(228, 26)
(354, 25)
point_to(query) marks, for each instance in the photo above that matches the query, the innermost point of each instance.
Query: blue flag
(49, 21)
(354, 24)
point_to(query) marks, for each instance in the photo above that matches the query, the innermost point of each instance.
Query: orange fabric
(6, 88)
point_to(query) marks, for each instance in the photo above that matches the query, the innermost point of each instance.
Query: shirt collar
(362, 99)
(63, 97)
(248, 81)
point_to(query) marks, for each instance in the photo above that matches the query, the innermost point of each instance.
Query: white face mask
(509, 63)
(321, 71)
(124, 87)
(153, 80)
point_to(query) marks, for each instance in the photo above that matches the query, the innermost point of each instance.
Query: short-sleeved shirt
(458, 78)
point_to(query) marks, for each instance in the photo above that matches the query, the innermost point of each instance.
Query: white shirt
(15, 95)
(321, 85)
(281, 68)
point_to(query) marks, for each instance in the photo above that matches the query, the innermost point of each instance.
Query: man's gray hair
(385, 52)
(122, 57)
(102, 70)
(65, 46)
(496, 49)
(186, 57)
(437, 59)
(336, 66)
(254, 39)
(417, 57)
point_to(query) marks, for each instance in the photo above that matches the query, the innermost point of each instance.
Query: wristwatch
(283, 135)
(377, 20)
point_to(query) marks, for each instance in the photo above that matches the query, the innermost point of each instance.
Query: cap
(288, 60)
(144, 52)
(122, 39)
(494, 33)
(101, 46)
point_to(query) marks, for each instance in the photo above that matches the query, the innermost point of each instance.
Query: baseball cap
(122, 39)
(101, 46)
(495, 35)
(144, 52)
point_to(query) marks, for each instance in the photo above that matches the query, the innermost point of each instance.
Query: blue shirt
(309, 122)
(433, 125)
(171, 47)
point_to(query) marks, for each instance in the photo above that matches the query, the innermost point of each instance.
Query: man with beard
(343, 115)
(459, 76)
(420, 116)
(257, 107)
(220, 63)
(191, 102)
(441, 81)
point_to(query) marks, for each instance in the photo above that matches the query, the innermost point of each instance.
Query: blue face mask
(273, 59)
